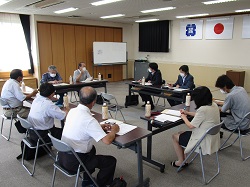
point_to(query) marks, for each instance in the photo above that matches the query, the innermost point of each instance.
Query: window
(13, 47)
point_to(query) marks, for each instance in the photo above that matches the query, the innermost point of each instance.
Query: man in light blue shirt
(237, 101)
(81, 74)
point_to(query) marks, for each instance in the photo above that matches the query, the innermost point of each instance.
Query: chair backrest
(59, 145)
(25, 123)
(4, 102)
(107, 96)
(247, 116)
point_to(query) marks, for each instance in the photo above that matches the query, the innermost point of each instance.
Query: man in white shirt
(43, 112)
(81, 74)
(13, 94)
(80, 130)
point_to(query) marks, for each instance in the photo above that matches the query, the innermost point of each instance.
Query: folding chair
(114, 107)
(11, 118)
(211, 131)
(164, 99)
(75, 95)
(240, 134)
(33, 145)
(60, 146)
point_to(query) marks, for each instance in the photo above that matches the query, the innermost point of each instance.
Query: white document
(124, 128)
(28, 90)
(164, 117)
(180, 89)
(61, 84)
(171, 112)
(88, 79)
(148, 83)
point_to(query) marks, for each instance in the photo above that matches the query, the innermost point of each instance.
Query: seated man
(13, 94)
(237, 101)
(53, 77)
(42, 114)
(81, 74)
(185, 80)
(80, 129)
(154, 77)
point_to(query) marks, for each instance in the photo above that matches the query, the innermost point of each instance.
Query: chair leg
(122, 116)
(224, 147)
(5, 137)
(77, 177)
(241, 149)
(202, 167)
(53, 177)
(110, 114)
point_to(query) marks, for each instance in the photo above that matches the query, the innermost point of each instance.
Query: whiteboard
(109, 52)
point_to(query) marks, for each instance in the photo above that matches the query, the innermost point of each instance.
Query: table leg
(105, 87)
(129, 89)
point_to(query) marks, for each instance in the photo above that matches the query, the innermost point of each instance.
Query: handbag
(118, 182)
(20, 128)
(131, 100)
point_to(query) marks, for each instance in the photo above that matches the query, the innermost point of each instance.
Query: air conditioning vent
(44, 3)
(141, 16)
(74, 16)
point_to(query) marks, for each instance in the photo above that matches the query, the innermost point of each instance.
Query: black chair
(60, 146)
(164, 99)
(33, 145)
(240, 134)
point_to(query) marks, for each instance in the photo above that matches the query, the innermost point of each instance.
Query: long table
(78, 85)
(157, 127)
(131, 140)
(159, 91)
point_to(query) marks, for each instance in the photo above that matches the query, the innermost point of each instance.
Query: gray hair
(87, 95)
(52, 67)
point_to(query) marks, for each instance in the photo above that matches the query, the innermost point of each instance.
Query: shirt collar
(84, 108)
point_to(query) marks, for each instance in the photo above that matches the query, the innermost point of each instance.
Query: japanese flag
(219, 28)
(191, 29)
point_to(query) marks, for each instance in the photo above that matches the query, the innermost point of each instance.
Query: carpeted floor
(234, 172)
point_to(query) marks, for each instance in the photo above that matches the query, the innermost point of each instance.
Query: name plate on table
(61, 84)
(124, 128)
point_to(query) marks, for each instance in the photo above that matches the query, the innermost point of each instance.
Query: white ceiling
(131, 8)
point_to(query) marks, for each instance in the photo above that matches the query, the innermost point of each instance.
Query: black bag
(131, 100)
(118, 182)
(99, 100)
(30, 153)
(19, 127)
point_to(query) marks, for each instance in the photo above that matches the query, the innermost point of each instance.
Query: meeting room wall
(207, 59)
(65, 23)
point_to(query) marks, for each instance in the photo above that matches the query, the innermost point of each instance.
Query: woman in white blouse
(206, 115)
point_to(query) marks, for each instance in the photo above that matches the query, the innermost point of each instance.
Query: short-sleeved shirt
(12, 93)
(46, 78)
(205, 117)
(81, 129)
(238, 102)
(84, 76)
(43, 112)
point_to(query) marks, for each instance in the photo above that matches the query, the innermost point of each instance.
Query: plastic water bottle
(188, 99)
(70, 79)
(65, 101)
(99, 77)
(23, 86)
(143, 81)
(104, 111)
(148, 109)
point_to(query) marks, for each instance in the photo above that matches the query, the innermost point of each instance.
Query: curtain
(13, 47)
(25, 20)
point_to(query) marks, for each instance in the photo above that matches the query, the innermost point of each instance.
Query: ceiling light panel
(192, 16)
(103, 2)
(113, 16)
(217, 1)
(158, 9)
(243, 10)
(65, 10)
(146, 20)
(2, 2)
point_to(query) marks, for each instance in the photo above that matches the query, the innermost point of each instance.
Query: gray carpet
(234, 172)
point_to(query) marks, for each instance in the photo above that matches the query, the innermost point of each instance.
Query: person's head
(47, 90)
(88, 96)
(224, 83)
(153, 67)
(82, 66)
(16, 74)
(52, 70)
(202, 96)
(184, 70)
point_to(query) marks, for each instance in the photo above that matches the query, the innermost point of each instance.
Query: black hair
(15, 73)
(184, 68)
(202, 96)
(46, 89)
(153, 66)
(223, 81)
(80, 64)
(87, 95)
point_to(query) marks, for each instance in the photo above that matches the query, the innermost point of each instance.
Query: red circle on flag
(218, 28)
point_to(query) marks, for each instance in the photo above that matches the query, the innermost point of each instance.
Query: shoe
(174, 165)
(221, 134)
(88, 183)
(143, 105)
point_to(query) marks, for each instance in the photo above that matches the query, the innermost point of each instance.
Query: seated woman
(206, 115)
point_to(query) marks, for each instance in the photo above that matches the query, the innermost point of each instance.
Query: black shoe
(221, 134)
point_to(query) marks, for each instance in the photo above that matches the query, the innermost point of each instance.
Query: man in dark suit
(155, 78)
(185, 80)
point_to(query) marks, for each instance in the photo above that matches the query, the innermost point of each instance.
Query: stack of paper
(164, 117)
(60, 84)
(171, 112)
(124, 128)
(180, 89)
